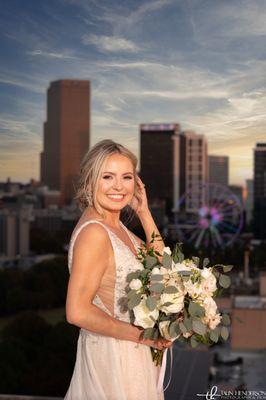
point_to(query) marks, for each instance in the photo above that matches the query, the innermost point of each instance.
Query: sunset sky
(200, 63)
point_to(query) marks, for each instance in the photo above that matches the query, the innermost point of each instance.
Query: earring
(89, 198)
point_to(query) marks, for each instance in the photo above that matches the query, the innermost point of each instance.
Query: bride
(112, 362)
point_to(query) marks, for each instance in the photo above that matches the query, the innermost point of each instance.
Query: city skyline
(197, 63)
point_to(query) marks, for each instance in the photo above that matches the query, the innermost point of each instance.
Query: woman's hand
(139, 203)
(159, 344)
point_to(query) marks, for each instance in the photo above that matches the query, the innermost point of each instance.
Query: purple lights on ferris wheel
(217, 221)
(209, 216)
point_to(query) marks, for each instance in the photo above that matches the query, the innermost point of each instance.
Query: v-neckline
(129, 236)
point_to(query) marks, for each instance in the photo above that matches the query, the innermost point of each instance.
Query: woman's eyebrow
(112, 173)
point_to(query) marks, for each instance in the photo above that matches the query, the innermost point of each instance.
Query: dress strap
(77, 232)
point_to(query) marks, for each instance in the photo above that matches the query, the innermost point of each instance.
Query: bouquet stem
(157, 356)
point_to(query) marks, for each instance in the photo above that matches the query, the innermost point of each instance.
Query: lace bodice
(125, 262)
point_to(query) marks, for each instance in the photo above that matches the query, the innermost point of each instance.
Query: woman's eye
(107, 176)
(128, 177)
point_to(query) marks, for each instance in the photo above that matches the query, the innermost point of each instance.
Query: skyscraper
(249, 200)
(260, 191)
(173, 163)
(66, 135)
(159, 152)
(193, 170)
(219, 169)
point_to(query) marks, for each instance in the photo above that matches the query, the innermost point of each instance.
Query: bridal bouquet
(173, 298)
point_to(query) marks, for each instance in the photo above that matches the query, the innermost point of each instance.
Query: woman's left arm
(146, 219)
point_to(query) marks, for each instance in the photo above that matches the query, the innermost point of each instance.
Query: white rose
(177, 300)
(155, 271)
(143, 314)
(194, 290)
(214, 321)
(208, 282)
(164, 329)
(180, 267)
(210, 307)
(135, 284)
(167, 250)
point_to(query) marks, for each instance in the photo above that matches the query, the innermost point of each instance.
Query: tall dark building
(193, 173)
(66, 135)
(260, 191)
(158, 144)
(219, 170)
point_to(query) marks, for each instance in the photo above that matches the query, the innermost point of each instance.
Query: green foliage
(227, 268)
(178, 255)
(224, 333)
(193, 341)
(171, 290)
(206, 261)
(198, 327)
(151, 303)
(134, 300)
(214, 334)
(195, 309)
(224, 281)
(157, 287)
(167, 261)
(226, 319)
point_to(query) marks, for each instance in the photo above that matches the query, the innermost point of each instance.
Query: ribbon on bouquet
(160, 387)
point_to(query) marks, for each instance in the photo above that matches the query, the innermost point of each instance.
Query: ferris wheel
(214, 219)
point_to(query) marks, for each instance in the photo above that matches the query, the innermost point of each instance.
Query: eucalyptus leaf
(198, 327)
(185, 273)
(224, 333)
(151, 303)
(134, 301)
(182, 327)
(133, 275)
(214, 335)
(151, 261)
(174, 329)
(167, 304)
(157, 287)
(206, 261)
(227, 268)
(148, 333)
(224, 281)
(195, 309)
(188, 323)
(156, 277)
(193, 341)
(226, 319)
(196, 260)
(167, 261)
(170, 290)
(132, 293)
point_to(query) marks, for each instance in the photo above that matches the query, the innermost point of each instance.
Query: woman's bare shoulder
(90, 234)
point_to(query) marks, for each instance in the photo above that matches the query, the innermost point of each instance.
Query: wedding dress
(107, 368)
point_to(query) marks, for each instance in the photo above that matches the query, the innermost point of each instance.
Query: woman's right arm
(91, 253)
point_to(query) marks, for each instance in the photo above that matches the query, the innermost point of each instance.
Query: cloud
(111, 44)
(47, 54)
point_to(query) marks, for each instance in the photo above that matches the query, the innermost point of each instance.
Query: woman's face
(116, 183)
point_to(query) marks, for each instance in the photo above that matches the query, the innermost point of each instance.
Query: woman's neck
(111, 218)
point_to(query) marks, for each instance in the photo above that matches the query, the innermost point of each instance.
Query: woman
(112, 362)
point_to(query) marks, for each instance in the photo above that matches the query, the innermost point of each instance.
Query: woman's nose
(118, 184)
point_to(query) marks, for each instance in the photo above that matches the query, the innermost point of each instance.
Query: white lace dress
(108, 368)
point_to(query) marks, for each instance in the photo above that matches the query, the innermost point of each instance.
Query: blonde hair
(91, 168)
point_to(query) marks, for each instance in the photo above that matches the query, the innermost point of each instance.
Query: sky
(200, 63)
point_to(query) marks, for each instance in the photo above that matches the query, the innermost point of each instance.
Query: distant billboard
(159, 127)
